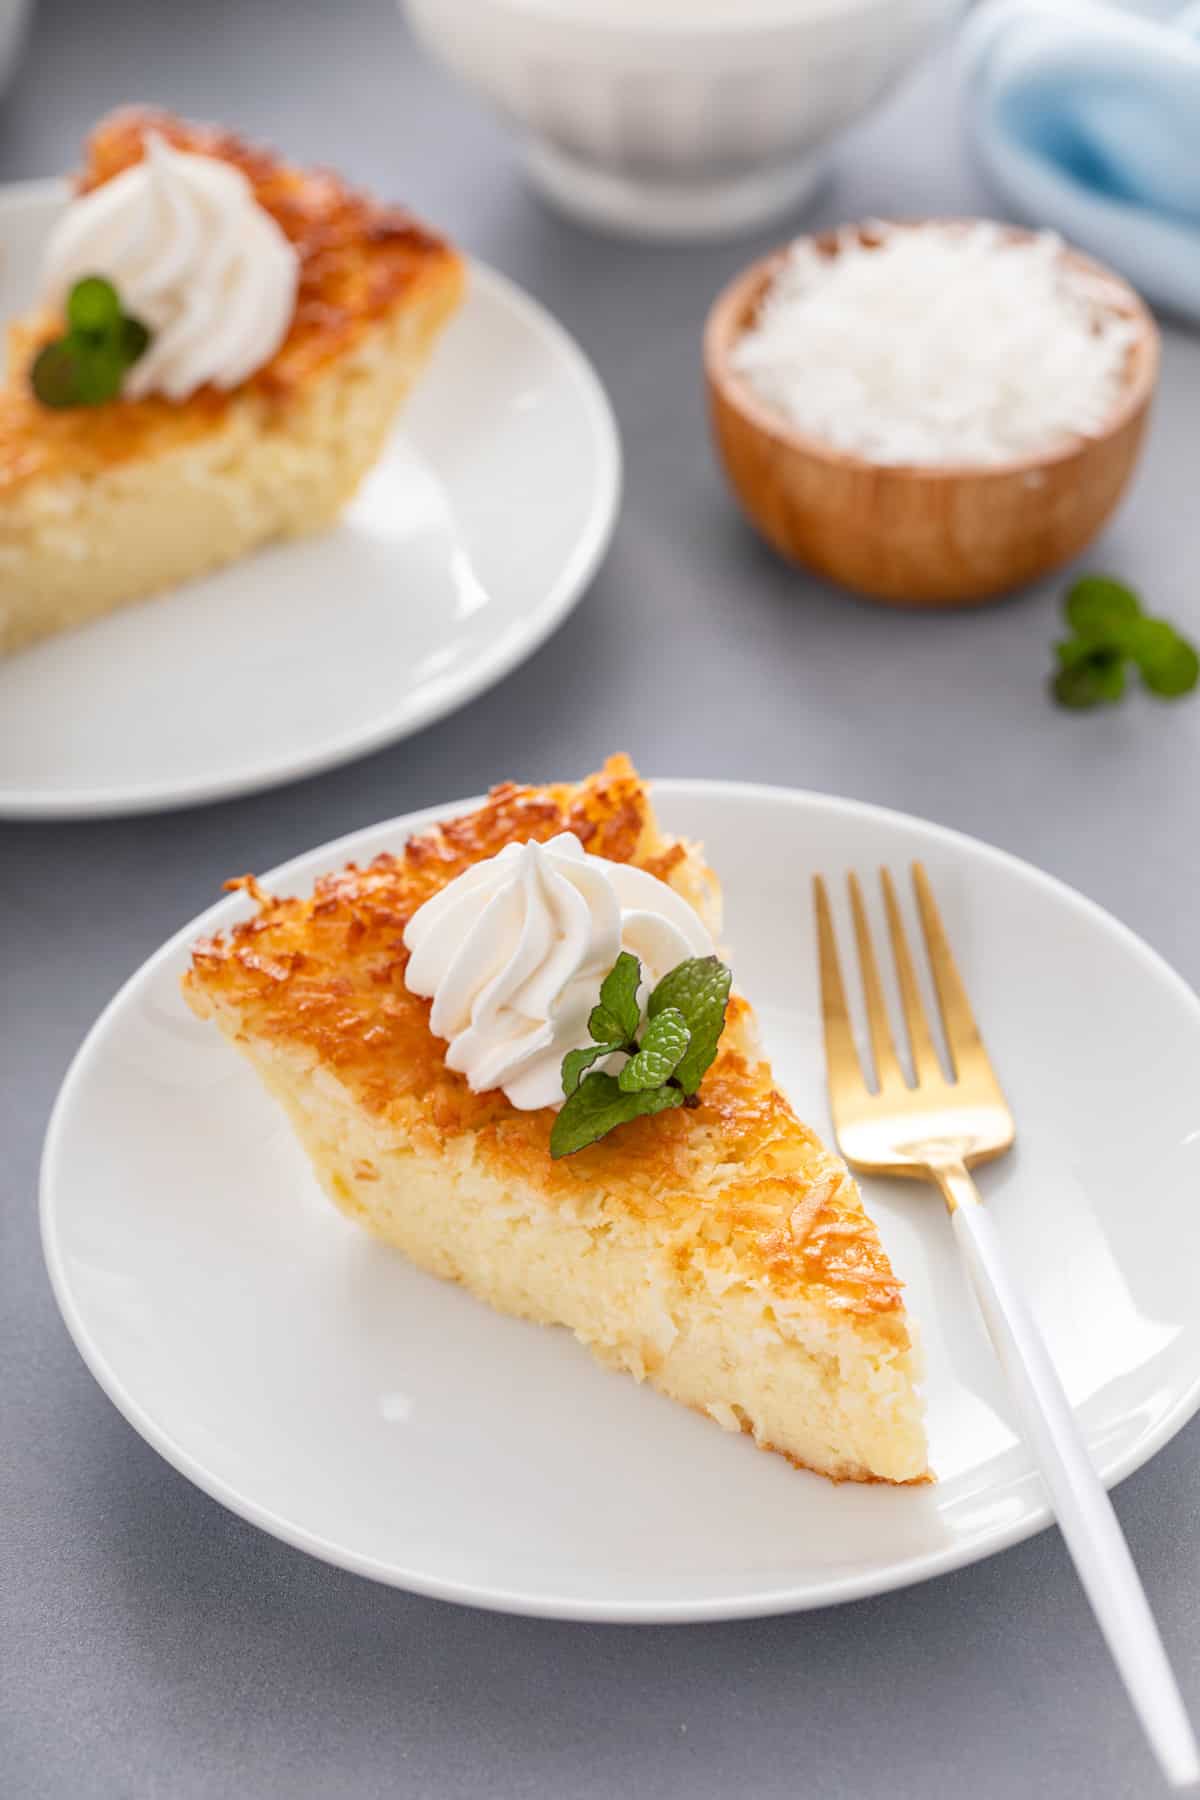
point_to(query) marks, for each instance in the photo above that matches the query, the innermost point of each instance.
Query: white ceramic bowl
(677, 118)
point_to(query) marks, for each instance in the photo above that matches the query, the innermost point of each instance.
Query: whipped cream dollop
(191, 254)
(512, 954)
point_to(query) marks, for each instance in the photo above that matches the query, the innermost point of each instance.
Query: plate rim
(442, 699)
(835, 1590)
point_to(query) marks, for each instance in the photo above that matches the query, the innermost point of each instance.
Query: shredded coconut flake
(938, 344)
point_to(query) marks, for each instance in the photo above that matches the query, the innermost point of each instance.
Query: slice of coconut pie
(716, 1250)
(286, 315)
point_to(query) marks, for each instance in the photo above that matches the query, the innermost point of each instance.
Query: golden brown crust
(359, 263)
(850, 1472)
(325, 975)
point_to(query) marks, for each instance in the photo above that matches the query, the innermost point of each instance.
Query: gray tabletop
(155, 1646)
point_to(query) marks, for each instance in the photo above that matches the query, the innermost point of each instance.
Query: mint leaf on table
(664, 1043)
(598, 1105)
(699, 989)
(1088, 677)
(1099, 609)
(617, 1017)
(1168, 664)
(1110, 632)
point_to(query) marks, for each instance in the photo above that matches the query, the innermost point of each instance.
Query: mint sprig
(664, 1044)
(87, 364)
(598, 1106)
(576, 1063)
(699, 989)
(616, 1019)
(1110, 632)
(685, 1016)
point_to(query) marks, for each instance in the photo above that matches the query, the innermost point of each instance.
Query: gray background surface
(152, 1644)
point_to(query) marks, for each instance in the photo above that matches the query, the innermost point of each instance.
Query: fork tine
(926, 1062)
(888, 1072)
(962, 1033)
(841, 1056)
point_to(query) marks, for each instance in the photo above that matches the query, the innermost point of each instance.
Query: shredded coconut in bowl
(938, 344)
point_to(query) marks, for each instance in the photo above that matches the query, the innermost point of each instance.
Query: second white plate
(467, 545)
(319, 1385)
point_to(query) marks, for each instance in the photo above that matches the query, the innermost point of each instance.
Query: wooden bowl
(914, 536)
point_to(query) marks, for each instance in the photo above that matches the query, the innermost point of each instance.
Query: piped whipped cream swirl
(191, 254)
(512, 954)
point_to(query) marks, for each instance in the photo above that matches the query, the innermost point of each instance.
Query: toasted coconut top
(359, 263)
(736, 1189)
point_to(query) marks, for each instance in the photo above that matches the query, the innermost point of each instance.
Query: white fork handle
(1084, 1511)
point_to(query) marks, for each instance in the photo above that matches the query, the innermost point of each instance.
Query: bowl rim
(751, 17)
(732, 307)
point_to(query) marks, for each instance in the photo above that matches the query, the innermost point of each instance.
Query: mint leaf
(1111, 630)
(598, 1105)
(133, 339)
(1102, 610)
(1176, 675)
(576, 1063)
(699, 989)
(1168, 663)
(685, 1018)
(86, 366)
(1091, 677)
(690, 987)
(1070, 651)
(93, 309)
(98, 377)
(618, 1015)
(664, 1042)
(55, 374)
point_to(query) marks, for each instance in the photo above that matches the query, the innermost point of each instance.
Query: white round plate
(313, 1381)
(470, 541)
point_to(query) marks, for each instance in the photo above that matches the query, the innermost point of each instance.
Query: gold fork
(937, 1129)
